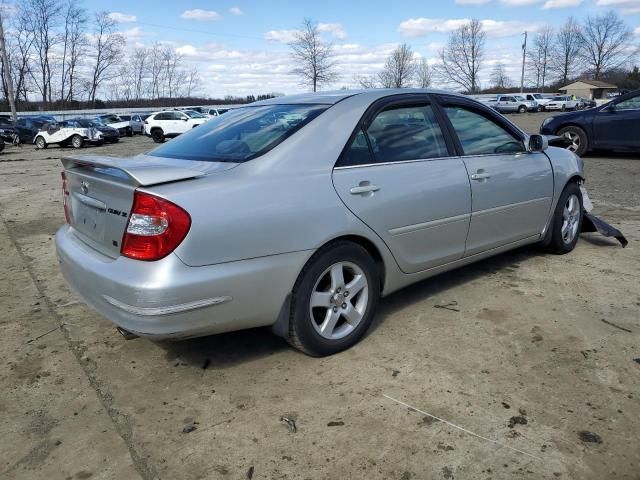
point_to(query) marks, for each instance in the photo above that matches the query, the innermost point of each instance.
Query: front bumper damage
(591, 223)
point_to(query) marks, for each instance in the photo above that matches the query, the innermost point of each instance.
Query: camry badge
(84, 186)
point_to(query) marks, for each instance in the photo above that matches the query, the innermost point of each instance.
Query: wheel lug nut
(346, 294)
(344, 305)
(338, 289)
(335, 309)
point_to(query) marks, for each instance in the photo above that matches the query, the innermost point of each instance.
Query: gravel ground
(533, 358)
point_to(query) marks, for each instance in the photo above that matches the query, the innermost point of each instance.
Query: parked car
(109, 134)
(171, 123)
(135, 121)
(613, 126)
(513, 103)
(250, 220)
(123, 126)
(562, 102)
(585, 103)
(216, 112)
(57, 133)
(8, 133)
(541, 100)
(28, 127)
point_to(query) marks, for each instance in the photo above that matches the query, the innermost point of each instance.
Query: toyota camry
(300, 212)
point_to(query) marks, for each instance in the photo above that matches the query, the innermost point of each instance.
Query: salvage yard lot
(526, 350)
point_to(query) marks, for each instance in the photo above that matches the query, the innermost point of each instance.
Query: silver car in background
(300, 212)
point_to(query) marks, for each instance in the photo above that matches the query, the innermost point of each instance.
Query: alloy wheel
(339, 300)
(570, 219)
(574, 138)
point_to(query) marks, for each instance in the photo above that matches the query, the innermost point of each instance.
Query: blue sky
(240, 46)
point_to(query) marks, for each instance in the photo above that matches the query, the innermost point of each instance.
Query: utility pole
(7, 74)
(524, 52)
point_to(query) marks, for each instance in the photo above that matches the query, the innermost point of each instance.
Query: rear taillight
(65, 199)
(155, 228)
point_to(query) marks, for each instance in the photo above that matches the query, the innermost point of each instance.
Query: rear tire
(522, 109)
(40, 143)
(157, 135)
(77, 141)
(577, 137)
(567, 221)
(334, 300)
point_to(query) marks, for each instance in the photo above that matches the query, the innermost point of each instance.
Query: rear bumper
(168, 299)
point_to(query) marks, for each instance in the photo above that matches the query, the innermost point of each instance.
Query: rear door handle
(359, 190)
(480, 176)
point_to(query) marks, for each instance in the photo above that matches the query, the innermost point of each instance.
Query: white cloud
(519, 3)
(200, 15)
(122, 17)
(235, 11)
(560, 4)
(8, 9)
(472, 2)
(334, 28)
(419, 27)
(626, 3)
(133, 35)
(282, 36)
(637, 32)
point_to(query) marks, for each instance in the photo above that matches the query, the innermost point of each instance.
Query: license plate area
(89, 216)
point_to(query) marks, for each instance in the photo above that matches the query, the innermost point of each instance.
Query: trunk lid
(100, 191)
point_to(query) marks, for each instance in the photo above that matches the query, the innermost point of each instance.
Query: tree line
(62, 55)
(601, 47)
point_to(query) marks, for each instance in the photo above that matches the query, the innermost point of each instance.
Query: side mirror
(537, 143)
(185, 119)
(610, 108)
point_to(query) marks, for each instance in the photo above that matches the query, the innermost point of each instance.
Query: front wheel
(334, 300)
(40, 143)
(567, 220)
(577, 138)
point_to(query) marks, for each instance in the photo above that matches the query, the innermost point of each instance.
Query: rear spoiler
(139, 172)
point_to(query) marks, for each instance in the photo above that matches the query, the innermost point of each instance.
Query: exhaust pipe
(126, 333)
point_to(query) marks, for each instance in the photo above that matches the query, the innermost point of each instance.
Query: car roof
(333, 97)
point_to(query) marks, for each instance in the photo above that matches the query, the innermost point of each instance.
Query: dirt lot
(522, 358)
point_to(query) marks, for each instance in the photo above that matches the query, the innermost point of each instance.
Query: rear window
(240, 135)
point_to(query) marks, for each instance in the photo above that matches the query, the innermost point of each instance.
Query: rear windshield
(240, 135)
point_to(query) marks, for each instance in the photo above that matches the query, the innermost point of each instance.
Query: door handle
(480, 176)
(359, 190)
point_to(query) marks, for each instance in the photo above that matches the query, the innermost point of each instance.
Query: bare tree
(19, 51)
(423, 74)
(107, 51)
(539, 55)
(139, 67)
(399, 68)
(42, 17)
(313, 56)
(172, 62)
(499, 77)
(567, 47)
(75, 20)
(366, 81)
(154, 61)
(192, 82)
(606, 43)
(461, 58)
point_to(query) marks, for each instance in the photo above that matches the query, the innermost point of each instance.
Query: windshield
(111, 118)
(83, 122)
(240, 135)
(193, 114)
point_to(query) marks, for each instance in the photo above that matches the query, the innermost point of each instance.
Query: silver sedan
(300, 212)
